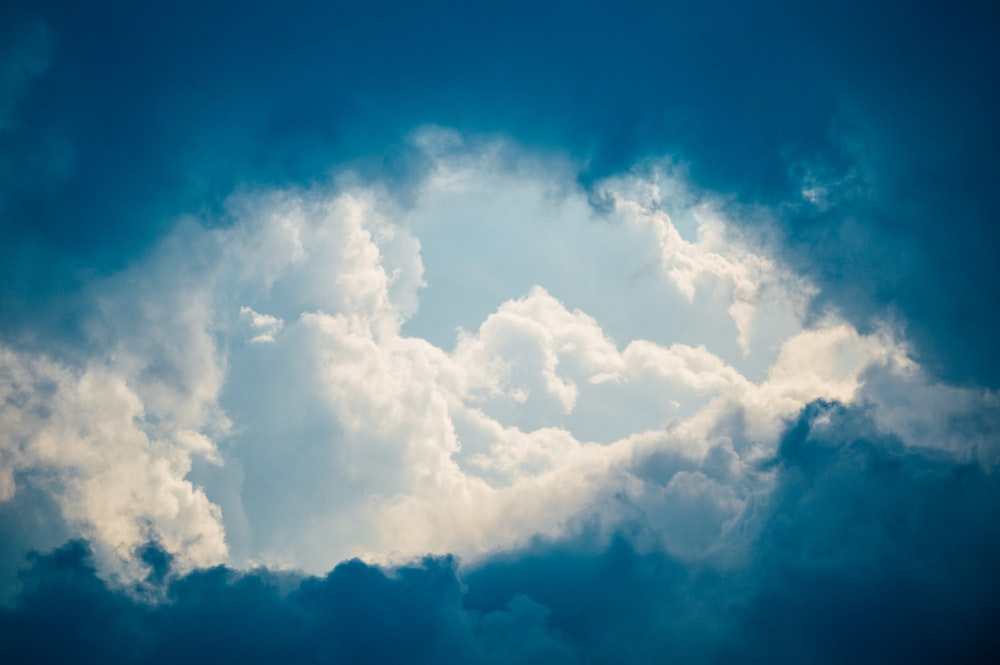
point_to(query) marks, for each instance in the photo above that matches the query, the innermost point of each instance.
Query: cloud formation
(677, 346)
(847, 562)
(82, 437)
(879, 155)
(252, 392)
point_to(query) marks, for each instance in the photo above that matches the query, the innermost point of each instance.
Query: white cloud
(83, 435)
(717, 253)
(263, 326)
(605, 366)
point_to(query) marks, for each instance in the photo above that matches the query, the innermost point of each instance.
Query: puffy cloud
(631, 349)
(82, 436)
(846, 562)
(263, 326)
(863, 549)
(347, 434)
(277, 100)
(354, 613)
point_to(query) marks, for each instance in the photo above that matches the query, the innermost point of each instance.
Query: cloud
(275, 100)
(82, 437)
(864, 549)
(263, 326)
(356, 612)
(842, 560)
(750, 276)
(265, 379)
(738, 404)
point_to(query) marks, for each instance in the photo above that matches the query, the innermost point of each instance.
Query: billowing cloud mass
(357, 338)
(274, 353)
(846, 565)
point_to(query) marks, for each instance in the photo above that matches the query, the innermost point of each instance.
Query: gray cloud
(866, 551)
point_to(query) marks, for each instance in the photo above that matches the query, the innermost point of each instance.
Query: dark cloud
(873, 551)
(29, 520)
(866, 551)
(142, 113)
(357, 613)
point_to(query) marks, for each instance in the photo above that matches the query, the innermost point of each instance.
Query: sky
(499, 332)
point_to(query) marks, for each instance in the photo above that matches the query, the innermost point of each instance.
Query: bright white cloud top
(343, 371)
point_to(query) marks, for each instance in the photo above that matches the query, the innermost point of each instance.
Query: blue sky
(561, 332)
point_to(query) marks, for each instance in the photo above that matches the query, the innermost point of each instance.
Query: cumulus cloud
(692, 409)
(83, 437)
(355, 613)
(284, 346)
(263, 327)
(763, 124)
(848, 563)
